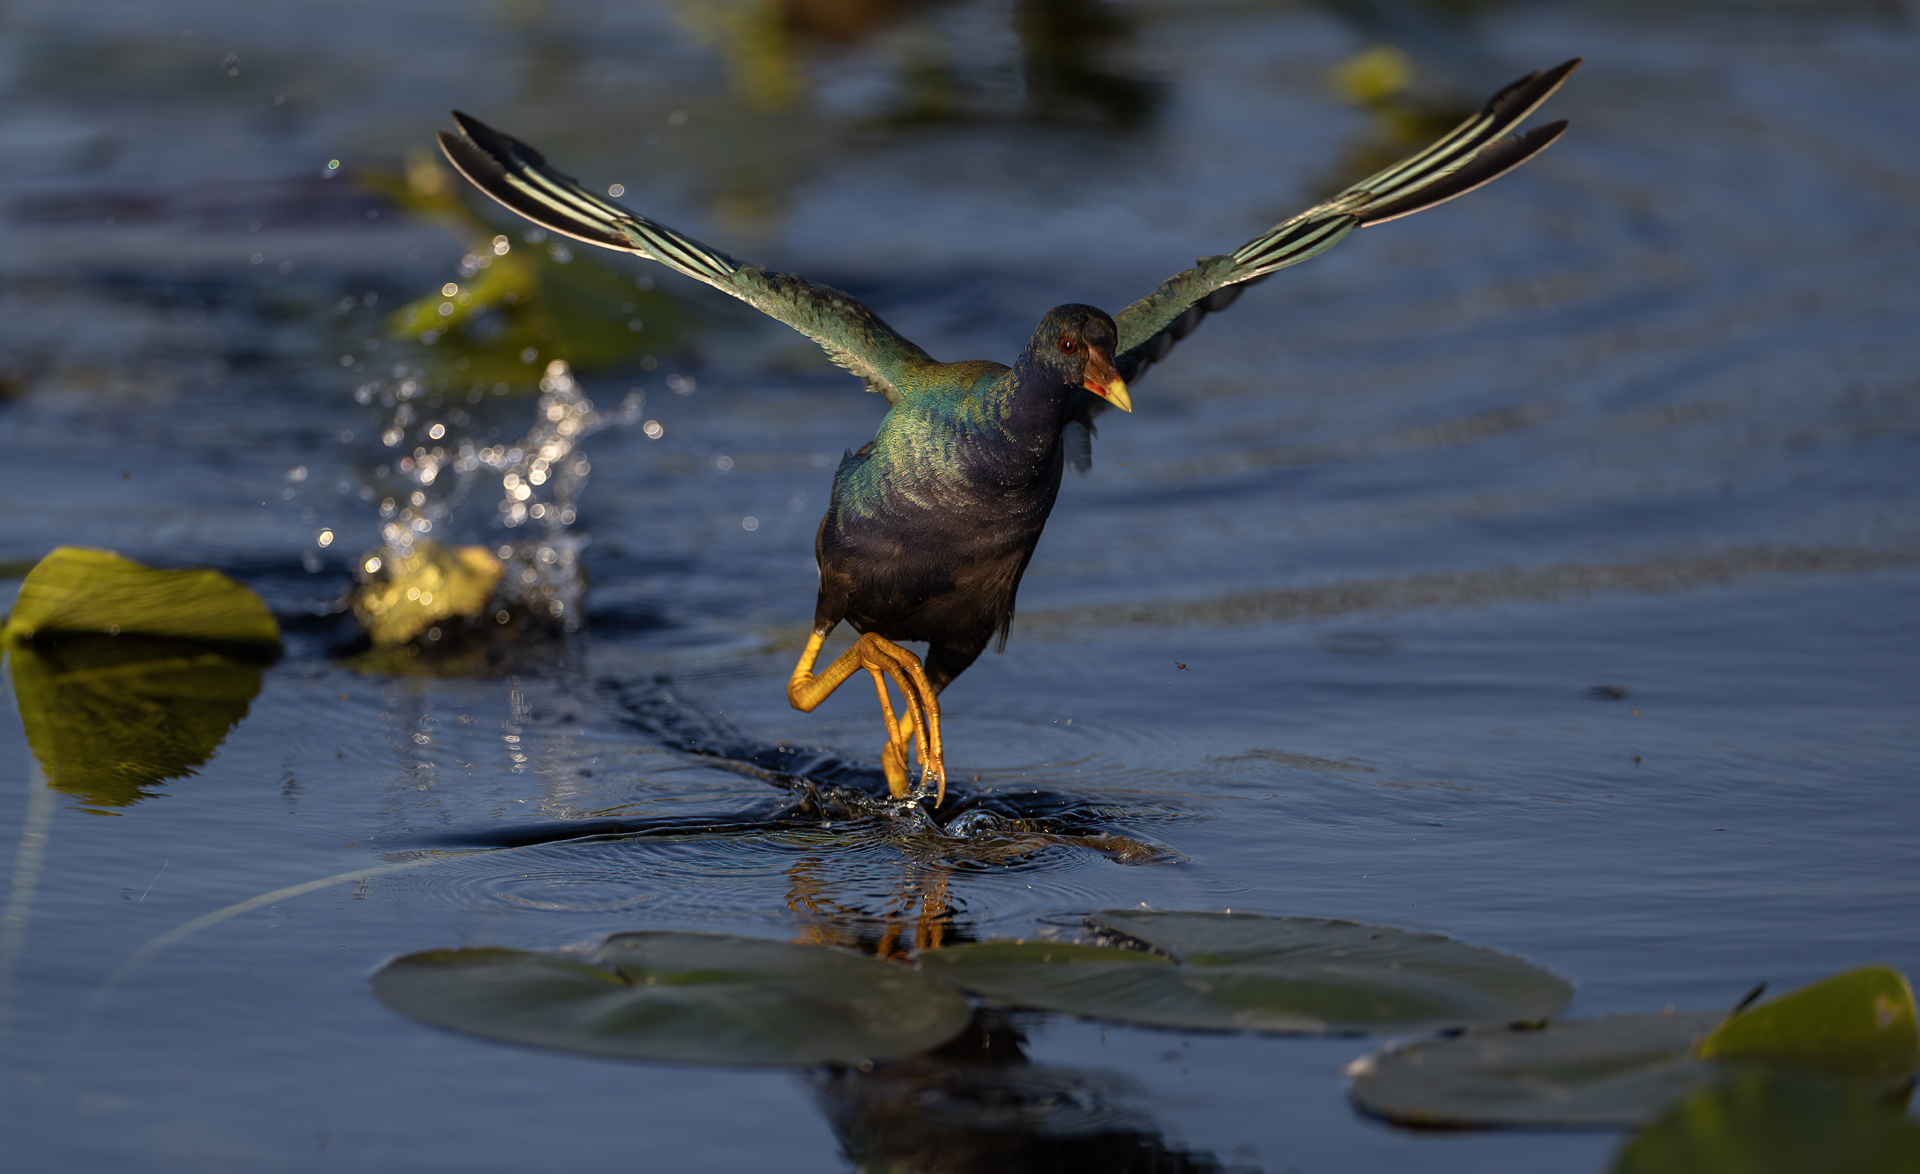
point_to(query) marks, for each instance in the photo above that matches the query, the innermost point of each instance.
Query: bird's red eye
(1066, 344)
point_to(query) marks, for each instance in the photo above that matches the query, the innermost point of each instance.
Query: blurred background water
(1538, 570)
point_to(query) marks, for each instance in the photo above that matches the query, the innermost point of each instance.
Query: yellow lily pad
(81, 589)
(426, 586)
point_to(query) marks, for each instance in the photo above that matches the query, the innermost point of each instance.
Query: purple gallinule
(933, 521)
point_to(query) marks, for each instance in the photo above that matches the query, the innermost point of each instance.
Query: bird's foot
(894, 760)
(918, 729)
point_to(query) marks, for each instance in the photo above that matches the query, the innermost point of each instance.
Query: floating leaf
(1623, 1069)
(412, 592)
(1242, 971)
(1769, 1122)
(1860, 1022)
(79, 589)
(522, 299)
(1617, 1070)
(682, 997)
(110, 716)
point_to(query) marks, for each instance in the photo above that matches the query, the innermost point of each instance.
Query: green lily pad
(1623, 1069)
(682, 997)
(1859, 1023)
(525, 306)
(1617, 1070)
(1231, 971)
(79, 589)
(1762, 1121)
(110, 716)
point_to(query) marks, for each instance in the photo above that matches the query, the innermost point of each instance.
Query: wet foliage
(1220, 971)
(666, 996)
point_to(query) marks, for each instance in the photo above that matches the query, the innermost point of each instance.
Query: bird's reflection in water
(978, 1103)
(917, 915)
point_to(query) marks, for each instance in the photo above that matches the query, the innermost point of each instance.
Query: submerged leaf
(80, 589)
(1246, 972)
(682, 997)
(1761, 1121)
(110, 716)
(1859, 1022)
(414, 591)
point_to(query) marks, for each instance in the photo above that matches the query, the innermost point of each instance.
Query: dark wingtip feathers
(491, 161)
(503, 148)
(1494, 158)
(1520, 99)
(1487, 164)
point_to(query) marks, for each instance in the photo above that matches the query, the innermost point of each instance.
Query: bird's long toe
(919, 727)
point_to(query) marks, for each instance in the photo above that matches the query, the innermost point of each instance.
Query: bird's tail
(520, 178)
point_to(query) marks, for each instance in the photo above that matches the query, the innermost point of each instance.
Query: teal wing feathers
(1473, 153)
(520, 178)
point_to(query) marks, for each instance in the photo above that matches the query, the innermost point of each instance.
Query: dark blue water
(1643, 415)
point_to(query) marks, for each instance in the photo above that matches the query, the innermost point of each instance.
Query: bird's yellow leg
(886, 661)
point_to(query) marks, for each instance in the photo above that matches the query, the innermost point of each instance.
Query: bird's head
(1076, 343)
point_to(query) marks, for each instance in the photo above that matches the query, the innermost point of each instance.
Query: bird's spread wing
(1478, 150)
(520, 178)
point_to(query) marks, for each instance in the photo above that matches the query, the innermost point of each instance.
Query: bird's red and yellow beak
(1105, 382)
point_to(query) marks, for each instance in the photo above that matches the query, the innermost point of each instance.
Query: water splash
(524, 491)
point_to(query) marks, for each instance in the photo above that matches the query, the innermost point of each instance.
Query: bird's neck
(1021, 416)
(1029, 407)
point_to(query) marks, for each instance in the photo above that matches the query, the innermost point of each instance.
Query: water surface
(1538, 570)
